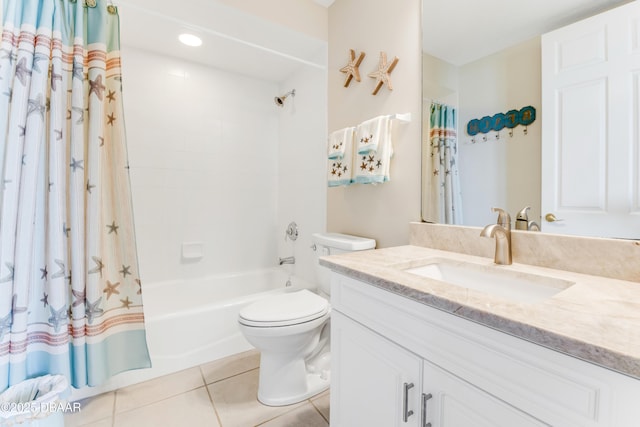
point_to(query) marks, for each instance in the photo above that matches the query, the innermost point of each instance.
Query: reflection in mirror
(442, 202)
(483, 59)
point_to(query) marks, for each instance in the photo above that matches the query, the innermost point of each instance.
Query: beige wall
(379, 211)
(440, 81)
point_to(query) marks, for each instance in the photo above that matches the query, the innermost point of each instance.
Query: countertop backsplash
(613, 258)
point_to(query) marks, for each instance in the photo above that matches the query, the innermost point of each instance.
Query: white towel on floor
(372, 167)
(339, 168)
(338, 141)
(372, 133)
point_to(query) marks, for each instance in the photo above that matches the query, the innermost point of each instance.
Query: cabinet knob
(406, 412)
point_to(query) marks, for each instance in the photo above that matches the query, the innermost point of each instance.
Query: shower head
(279, 100)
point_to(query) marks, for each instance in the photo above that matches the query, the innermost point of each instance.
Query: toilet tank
(333, 244)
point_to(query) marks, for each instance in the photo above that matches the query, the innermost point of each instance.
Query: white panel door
(590, 125)
(368, 377)
(452, 402)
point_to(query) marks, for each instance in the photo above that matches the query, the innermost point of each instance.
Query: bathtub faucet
(287, 260)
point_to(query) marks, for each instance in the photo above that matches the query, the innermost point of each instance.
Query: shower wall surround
(204, 149)
(302, 192)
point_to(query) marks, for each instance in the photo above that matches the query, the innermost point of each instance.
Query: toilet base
(315, 385)
(295, 361)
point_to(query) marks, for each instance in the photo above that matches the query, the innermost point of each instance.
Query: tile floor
(217, 394)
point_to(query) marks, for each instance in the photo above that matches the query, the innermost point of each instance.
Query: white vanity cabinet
(375, 381)
(452, 402)
(384, 343)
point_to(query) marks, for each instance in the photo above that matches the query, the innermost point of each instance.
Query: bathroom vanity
(412, 350)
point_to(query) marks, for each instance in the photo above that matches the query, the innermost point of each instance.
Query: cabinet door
(368, 377)
(590, 133)
(456, 403)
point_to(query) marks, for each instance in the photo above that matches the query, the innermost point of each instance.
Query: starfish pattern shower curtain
(444, 203)
(70, 293)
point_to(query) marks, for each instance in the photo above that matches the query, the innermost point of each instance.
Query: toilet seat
(286, 309)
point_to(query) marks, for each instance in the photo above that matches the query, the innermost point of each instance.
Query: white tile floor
(217, 394)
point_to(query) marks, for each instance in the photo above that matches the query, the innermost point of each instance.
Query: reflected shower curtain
(443, 183)
(70, 294)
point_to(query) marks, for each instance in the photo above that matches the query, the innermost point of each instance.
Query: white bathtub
(190, 323)
(193, 322)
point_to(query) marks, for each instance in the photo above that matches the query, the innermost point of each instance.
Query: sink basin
(513, 285)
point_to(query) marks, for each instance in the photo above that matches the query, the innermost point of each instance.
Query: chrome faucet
(502, 233)
(287, 260)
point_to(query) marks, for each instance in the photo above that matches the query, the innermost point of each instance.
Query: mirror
(485, 59)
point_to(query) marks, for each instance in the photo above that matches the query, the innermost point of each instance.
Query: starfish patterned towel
(372, 166)
(372, 133)
(339, 167)
(339, 140)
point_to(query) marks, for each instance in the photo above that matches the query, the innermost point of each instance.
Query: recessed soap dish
(192, 250)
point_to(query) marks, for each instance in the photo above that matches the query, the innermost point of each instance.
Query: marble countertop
(596, 319)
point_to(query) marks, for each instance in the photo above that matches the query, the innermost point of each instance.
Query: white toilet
(292, 332)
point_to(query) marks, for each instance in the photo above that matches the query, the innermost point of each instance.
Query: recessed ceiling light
(190, 39)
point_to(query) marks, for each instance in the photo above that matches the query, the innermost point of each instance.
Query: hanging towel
(372, 167)
(339, 168)
(338, 140)
(372, 133)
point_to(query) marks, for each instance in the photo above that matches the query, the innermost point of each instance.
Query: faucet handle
(291, 232)
(523, 214)
(504, 219)
(522, 219)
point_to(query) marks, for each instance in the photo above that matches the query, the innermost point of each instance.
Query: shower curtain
(443, 183)
(70, 293)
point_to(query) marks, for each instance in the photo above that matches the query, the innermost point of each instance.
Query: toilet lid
(286, 309)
